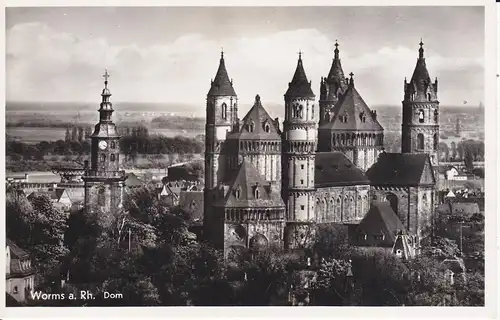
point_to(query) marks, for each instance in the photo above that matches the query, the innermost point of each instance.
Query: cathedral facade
(270, 186)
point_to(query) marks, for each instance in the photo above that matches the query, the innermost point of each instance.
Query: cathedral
(269, 185)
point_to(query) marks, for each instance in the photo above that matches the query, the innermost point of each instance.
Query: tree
(332, 284)
(74, 134)
(468, 160)
(453, 151)
(81, 134)
(444, 151)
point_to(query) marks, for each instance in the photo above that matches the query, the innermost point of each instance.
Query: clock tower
(103, 179)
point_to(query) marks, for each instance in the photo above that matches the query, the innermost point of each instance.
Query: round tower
(420, 127)
(299, 147)
(221, 118)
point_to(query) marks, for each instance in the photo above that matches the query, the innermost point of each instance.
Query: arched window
(251, 127)
(393, 200)
(436, 141)
(103, 157)
(113, 145)
(420, 141)
(237, 193)
(429, 97)
(436, 115)
(267, 127)
(101, 196)
(224, 111)
(256, 193)
(112, 157)
(421, 116)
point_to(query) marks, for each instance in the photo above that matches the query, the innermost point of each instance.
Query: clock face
(102, 145)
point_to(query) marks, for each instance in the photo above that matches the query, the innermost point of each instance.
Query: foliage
(332, 285)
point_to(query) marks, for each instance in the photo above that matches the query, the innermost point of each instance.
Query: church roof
(336, 79)
(257, 125)
(380, 220)
(105, 130)
(242, 192)
(403, 169)
(359, 116)
(221, 85)
(420, 81)
(300, 86)
(335, 169)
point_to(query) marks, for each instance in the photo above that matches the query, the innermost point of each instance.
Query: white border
(491, 122)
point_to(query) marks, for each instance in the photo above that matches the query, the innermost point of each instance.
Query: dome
(258, 242)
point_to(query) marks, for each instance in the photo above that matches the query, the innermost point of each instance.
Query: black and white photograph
(246, 156)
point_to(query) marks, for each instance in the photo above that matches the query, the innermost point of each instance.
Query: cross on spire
(336, 44)
(222, 53)
(106, 76)
(300, 54)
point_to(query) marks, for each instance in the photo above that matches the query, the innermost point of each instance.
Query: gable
(427, 176)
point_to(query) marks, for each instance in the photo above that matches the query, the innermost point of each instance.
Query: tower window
(251, 127)
(103, 157)
(302, 166)
(420, 141)
(101, 197)
(436, 115)
(436, 141)
(224, 111)
(237, 193)
(301, 181)
(112, 157)
(256, 193)
(267, 128)
(421, 116)
(302, 207)
(113, 145)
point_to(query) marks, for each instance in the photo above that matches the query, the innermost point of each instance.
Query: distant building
(20, 275)
(58, 196)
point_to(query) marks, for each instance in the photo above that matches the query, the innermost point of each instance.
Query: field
(35, 122)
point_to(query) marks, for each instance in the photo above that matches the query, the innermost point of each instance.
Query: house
(382, 228)
(58, 196)
(20, 275)
(166, 194)
(132, 181)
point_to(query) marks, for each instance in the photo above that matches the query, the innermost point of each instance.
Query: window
(224, 111)
(113, 145)
(112, 157)
(302, 166)
(251, 127)
(237, 193)
(103, 157)
(302, 207)
(421, 116)
(15, 289)
(379, 237)
(267, 128)
(436, 115)
(420, 141)
(101, 196)
(301, 181)
(436, 141)
(362, 237)
(256, 193)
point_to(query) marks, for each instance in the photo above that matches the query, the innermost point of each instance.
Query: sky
(169, 54)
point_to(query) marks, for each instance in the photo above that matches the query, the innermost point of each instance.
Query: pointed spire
(421, 50)
(351, 79)
(221, 85)
(300, 86)
(336, 51)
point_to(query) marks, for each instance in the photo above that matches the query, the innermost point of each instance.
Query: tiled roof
(15, 251)
(192, 203)
(335, 169)
(380, 220)
(336, 80)
(258, 117)
(54, 194)
(420, 80)
(221, 85)
(132, 181)
(245, 183)
(300, 86)
(359, 115)
(402, 169)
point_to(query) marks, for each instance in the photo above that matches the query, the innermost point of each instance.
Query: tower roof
(359, 116)
(300, 86)
(242, 192)
(257, 125)
(336, 75)
(420, 81)
(105, 128)
(381, 219)
(221, 85)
